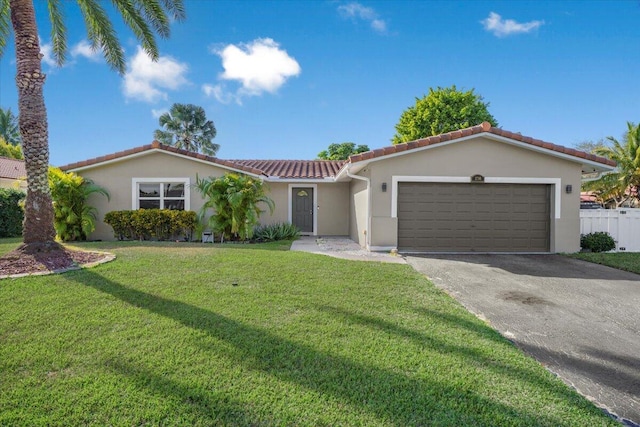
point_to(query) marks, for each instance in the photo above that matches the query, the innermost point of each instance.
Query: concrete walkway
(342, 247)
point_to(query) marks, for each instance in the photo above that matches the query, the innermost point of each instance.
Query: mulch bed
(24, 260)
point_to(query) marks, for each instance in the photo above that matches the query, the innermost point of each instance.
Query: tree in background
(9, 129)
(74, 218)
(442, 110)
(235, 200)
(145, 18)
(622, 185)
(590, 146)
(9, 150)
(341, 151)
(186, 126)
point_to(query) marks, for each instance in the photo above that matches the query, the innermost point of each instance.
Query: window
(160, 193)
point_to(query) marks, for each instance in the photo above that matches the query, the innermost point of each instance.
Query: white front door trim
(467, 179)
(315, 204)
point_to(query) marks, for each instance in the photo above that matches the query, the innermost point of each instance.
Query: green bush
(598, 241)
(278, 231)
(11, 213)
(73, 217)
(235, 200)
(146, 224)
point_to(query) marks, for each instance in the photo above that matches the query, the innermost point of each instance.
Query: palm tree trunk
(38, 213)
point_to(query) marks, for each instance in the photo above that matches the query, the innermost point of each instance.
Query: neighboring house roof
(485, 127)
(12, 168)
(322, 169)
(292, 169)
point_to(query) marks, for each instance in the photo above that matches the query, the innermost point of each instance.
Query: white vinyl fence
(622, 224)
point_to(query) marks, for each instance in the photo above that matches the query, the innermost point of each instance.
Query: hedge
(11, 213)
(147, 224)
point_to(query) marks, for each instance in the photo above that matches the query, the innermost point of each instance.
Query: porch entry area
(302, 208)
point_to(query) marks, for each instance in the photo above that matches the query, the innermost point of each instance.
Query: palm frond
(5, 24)
(156, 16)
(58, 31)
(134, 19)
(175, 8)
(101, 34)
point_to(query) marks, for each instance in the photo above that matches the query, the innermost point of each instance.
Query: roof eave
(586, 164)
(156, 148)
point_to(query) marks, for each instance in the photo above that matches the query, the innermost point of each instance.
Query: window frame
(135, 190)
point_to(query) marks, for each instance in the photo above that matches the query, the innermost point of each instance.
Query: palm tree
(145, 18)
(236, 201)
(624, 183)
(9, 129)
(186, 126)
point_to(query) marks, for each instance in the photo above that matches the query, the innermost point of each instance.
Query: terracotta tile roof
(12, 168)
(155, 145)
(317, 169)
(481, 128)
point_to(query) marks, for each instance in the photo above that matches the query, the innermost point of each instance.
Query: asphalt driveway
(580, 320)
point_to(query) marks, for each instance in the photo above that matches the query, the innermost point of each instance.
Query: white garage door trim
(395, 179)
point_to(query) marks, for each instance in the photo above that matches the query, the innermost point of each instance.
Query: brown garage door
(443, 217)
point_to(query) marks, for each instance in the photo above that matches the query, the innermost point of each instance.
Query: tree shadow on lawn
(389, 395)
(207, 407)
(473, 355)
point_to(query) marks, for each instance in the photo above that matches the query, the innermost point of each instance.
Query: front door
(302, 209)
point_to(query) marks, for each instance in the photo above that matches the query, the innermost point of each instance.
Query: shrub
(10, 151)
(278, 231)
(146, 224)
(73, 217)
(11, 213)
(235, 200)
(598, 241)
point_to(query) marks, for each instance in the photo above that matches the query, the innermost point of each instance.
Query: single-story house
(13, 174)
(480, 189)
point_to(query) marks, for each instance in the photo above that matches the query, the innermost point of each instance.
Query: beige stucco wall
(117, 178)
(358, 205)
(332, 198)
(488, 158)
(16, 184)
(331, 209)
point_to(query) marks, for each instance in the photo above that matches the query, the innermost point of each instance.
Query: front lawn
(9, 244)
(629, 261)
(245, 335)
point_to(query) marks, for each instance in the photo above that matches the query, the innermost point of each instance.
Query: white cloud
(83, 48)
(355, 10)
(259, 66)
(156, 113)
(145, 79)
(505, 27)
(220, 93)
(46, 49)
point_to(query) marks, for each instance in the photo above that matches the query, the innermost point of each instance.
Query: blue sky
(284, 79)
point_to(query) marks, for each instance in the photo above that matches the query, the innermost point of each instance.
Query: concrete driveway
(580, 320)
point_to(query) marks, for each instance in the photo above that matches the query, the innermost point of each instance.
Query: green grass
(9, 244)
(161, 336)
(629, 261)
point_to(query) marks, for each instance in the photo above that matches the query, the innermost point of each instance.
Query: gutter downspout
(597, 177)
(367, 239)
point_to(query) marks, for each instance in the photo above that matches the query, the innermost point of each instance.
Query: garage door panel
(452, 217)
